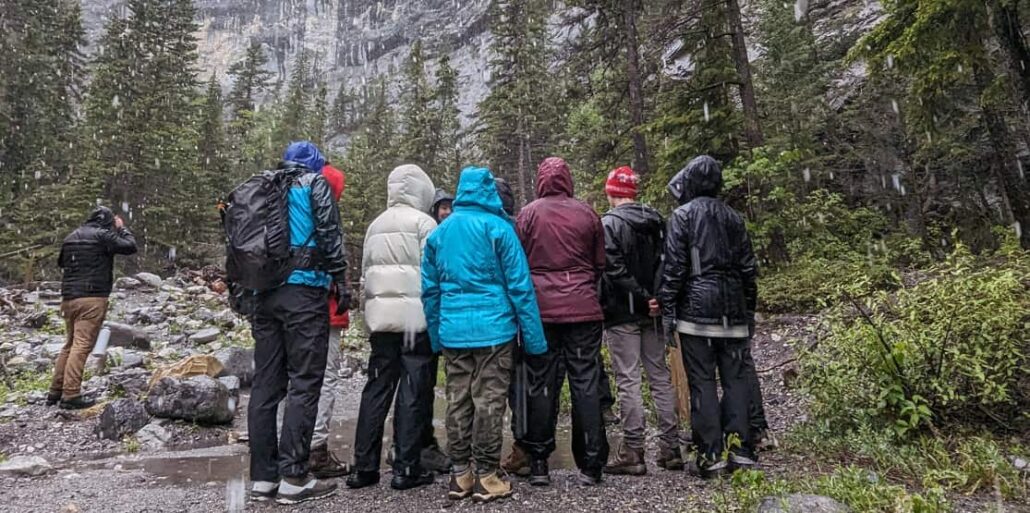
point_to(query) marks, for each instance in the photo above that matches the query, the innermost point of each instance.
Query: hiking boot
(628, 461)
(434, 459)
(262, 491)
(363, 478)
(406, 482)
(670, 458)
(324, 464)
(77, 403)
(490, 487)
(765, 441)
(517, 461)
(712, 470)
(295, 490)
(539, 475)
(588, 479)
(738, 461)
(461, 485)
(609, 416)
(52, 398)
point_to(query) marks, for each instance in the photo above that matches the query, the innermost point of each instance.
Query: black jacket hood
(639, 216)
(507, 197)
(101, 217)
(438, 198)
(701, 177)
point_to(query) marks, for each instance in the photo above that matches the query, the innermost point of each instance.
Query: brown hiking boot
(490, 487)
(461, 485)
(670, 458)
(324, 464)
(627, 462)
(516, 462)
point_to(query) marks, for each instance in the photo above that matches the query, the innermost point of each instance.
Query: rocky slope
(357, 40)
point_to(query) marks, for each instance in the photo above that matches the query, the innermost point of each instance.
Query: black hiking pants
(756, 412)
(573, 349)
(291, 331)
(428, 397)
(399, 362)
(712, 421)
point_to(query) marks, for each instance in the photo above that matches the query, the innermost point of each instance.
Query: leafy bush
(949, 351)
(851, 485)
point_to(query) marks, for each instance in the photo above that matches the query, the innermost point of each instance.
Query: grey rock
(1021, 464)
(131, 382)
(120, 418)
(19, 363)
(52, 349)
(205, 335)
(36, 320)
(152, 315)
(232, 383)
(203, 314)
(127, 283)
(350, 366)
(200, 399)
(7, 347)
(171, 289)
(800, 503)
(23, 349)
(239, 362)
(196, 290)
(125, 358)
(124, 335)
(226, 318)
(25, 466)
(153, 436)
(149, 279)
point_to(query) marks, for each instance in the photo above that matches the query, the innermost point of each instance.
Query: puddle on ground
(206, 466)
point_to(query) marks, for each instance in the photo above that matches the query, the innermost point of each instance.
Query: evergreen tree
(319, 115)
(141, 124)
(421, 140)
(211, 142)
(447, 125)
(518, 119)
(343, 115)
(294, 111)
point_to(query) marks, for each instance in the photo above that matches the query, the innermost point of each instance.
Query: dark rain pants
(712, 421)
(399, 362)
(756, 413)
(428, 397)
(573, 349)
(291, 332)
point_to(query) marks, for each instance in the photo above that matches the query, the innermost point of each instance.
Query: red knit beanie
(622, 183)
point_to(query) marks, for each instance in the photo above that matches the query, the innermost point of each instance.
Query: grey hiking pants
(330, 389)
(631, 345)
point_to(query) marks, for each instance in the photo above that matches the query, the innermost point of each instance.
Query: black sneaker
(539, 475)
(741, 462)
(713, 470)
(77, 403)
(295, 490)
(405, 482)
(363, 478)
(52, 399)
(262, 491)
(589, 478)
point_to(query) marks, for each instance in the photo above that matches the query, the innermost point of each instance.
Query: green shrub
(949, 351)
(810, 284)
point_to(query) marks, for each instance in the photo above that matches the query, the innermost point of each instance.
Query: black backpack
(257, 237)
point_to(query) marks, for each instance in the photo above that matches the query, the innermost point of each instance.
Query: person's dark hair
(507, 197)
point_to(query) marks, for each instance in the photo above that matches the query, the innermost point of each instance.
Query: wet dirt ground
(213, 478)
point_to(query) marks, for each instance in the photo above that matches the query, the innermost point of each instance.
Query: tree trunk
(634, 81)
(752, 126)
(1005, 22)
(1011, 188)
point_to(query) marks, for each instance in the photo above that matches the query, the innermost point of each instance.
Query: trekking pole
(521, 422)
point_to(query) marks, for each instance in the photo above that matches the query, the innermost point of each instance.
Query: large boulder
(200, 399)
(153, 437)
(149, 279)
(130, 382)
(124, 335)
(120, 418)
(801, 503)
(25, 466)
(239, 362)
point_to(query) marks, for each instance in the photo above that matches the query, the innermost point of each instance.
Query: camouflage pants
(477, 393)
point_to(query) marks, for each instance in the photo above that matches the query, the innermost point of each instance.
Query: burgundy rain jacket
(564, 242)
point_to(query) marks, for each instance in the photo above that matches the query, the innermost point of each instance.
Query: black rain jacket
(633, 243)
(710, 271)
(87, 255)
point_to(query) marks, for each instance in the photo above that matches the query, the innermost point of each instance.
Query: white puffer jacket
(390, 264)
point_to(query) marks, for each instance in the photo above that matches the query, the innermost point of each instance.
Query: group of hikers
(515, 301)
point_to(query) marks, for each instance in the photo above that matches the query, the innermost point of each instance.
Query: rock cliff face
(353, 41)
